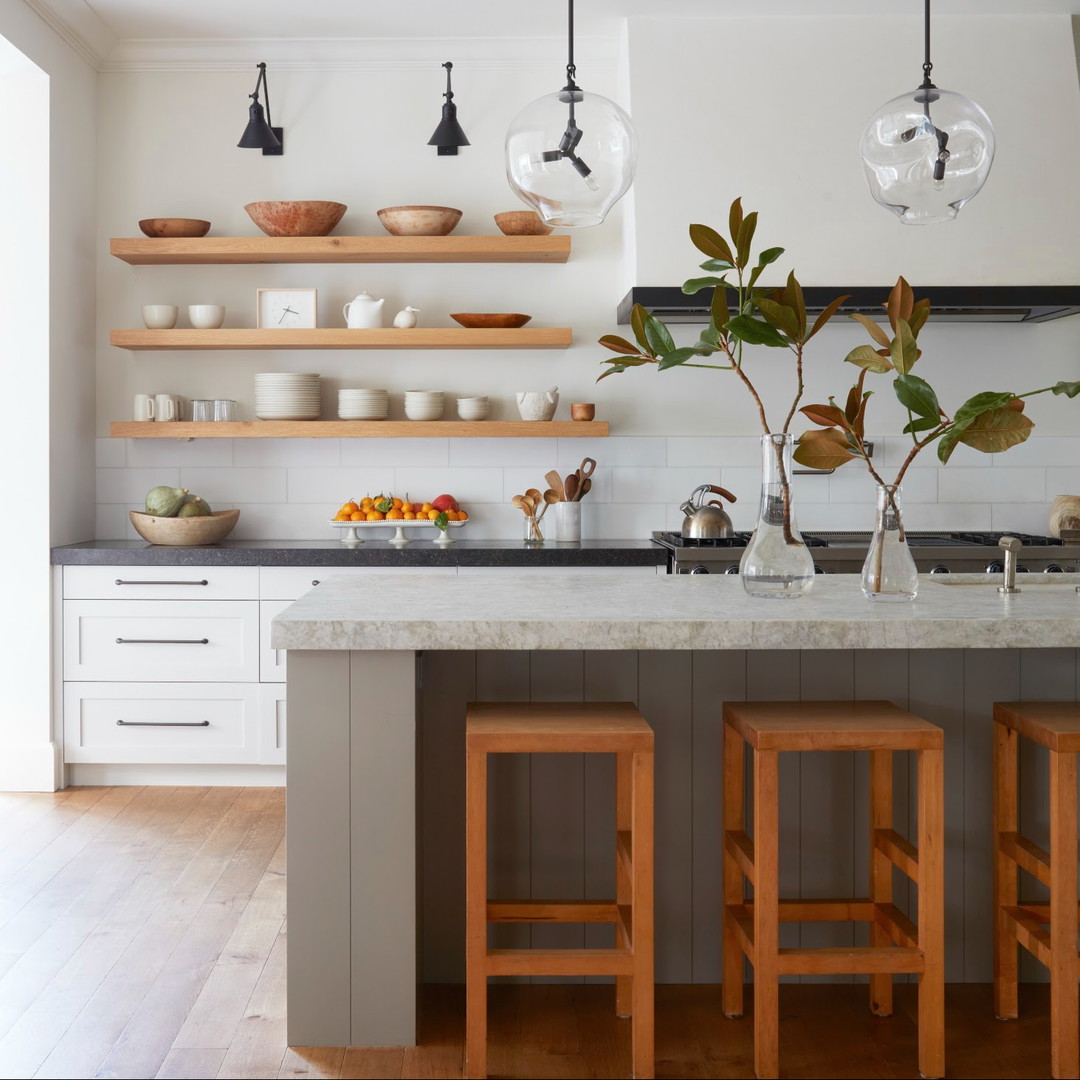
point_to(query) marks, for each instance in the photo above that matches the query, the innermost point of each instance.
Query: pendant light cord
(571, 68)
(927, 65)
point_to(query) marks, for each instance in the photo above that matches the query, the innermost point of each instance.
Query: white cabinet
(271, 661)
(272, 724)
(161, 583)
(291, 582)
(547, 571)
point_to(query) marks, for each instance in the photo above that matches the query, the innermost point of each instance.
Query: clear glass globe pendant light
(571, 155)
(927, 152)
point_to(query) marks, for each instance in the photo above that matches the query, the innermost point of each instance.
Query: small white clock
(285, 309)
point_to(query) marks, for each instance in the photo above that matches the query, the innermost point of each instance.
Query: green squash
(195, 507)
(165, 501)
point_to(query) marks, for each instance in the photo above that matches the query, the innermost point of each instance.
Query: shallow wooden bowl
(491, 321)
(419, 220)
(159, 227)
(1065, 515)
(184, 532)
(522, 223)
(304, 217)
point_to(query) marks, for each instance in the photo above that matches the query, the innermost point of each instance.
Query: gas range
(844, 552)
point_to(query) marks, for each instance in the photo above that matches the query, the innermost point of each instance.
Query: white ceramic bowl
(474, 408)
(206, 316)
(414, 411)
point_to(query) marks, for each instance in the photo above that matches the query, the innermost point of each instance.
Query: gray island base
(379, 671)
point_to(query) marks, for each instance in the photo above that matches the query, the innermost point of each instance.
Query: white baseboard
(178, 775)
(30, 767)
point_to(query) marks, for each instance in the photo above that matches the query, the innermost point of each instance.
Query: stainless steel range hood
(951, 303)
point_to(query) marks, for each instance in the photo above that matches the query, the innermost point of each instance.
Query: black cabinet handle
(162, 723)
(120, 581)
(162, 641)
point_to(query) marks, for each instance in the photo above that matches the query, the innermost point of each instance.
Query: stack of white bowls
(283, 395)
(423, 404)
(473, 408)
(363, 404)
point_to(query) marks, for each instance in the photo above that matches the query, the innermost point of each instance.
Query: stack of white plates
(423, 404)
(283, 395)
(363, 404)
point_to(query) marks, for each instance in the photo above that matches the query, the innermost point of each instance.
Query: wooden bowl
(184, 532)
(491, 321)
(419, 220)
(1065, 515)
(305, 217)
(522, 223)
(174, 226)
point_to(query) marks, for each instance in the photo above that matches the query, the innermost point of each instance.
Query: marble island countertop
(674, 612)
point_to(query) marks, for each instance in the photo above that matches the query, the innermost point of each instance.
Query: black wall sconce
(448, 135)
(259, 134)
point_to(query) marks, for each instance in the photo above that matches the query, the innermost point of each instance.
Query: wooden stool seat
(572, 728)
(897, 944)
(1047, 931)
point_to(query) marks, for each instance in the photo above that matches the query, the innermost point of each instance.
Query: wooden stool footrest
(741, 848)
(899, 851)
(741, 920)
(842, 910)
(1026, 854)
(852, 960)
(896, 924)
(1030, 933)
(559, 962)
(552, 911)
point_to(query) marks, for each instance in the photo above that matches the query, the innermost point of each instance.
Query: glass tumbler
(224, 409)
(202, 409)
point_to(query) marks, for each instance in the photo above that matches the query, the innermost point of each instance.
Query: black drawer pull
(162, 641)
(162, 723)
(120, 581)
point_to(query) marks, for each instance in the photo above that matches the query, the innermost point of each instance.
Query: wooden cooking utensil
(570, 487)
(555, 482)
(523, 504)
(587, 468)
(586, 486)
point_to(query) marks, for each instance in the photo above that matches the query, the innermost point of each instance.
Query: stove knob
(701, 570)
(1053, 568)
(817, 569)
(1022, 569)
(995, 568)
(941, 568)
(732, 570)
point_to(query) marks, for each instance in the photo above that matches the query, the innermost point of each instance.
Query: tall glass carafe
(776, 562)
(889, 572)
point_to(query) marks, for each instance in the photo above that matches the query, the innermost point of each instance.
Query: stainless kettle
(706, 522)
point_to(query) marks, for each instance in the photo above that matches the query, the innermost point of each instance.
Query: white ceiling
(201, 19)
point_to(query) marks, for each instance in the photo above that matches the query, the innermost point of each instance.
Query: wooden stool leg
(734, 820)
(932, 913)
(643, 1051)
(1064, 1035)
(766, 958)
(624, 822)
(1006, 819)
(476, 915)
(881, 870)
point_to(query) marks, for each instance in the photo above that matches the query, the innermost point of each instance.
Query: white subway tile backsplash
(616, 450)
(744, 483)
(542, 453)
(149, 453)
(894, 450)
(987, 484)
(1050, 450)
(111, 521)
(223, 488)
(1062, 481)
(250, 453)
(110, 453)
(817, 517)
(331, 487)
(1020, 517)
(921, 517)
(614, 521)
(645, 485)
(518, 481)
(852, 483)
(284, 521)
(711, 451)
(466, 485)
(131, 485)
(396, 453)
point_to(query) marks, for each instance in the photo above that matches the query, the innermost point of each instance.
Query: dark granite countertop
(370, 553)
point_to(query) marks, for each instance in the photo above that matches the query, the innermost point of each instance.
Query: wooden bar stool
(1047, 931)
(897, 944)
(566, 728)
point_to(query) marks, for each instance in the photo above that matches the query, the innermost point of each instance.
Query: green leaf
(1069, 389)
(673, 359)
(719, 308)
(901, 302)
(917, 395)
(923, 423)
(384, 505)
(710, 337)
(754, 275)
(755, 332)
(780, 316)
(618, 344)
(919, 314)
(904, 350)
(695, 285)
(826, 315)
(658, 336)
(638, 315)
(826, 449)
(949, 441)
(995, 430)
(717, 265)
(825, 415)
(441, 520)
(872, 328)
(793, 297)
(745, 238)
(735, 217)
(769, 255)
(866, 356)
(980, 403)
(710, 242)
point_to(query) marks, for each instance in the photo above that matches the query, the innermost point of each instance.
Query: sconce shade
(449, 131)
(258, 134)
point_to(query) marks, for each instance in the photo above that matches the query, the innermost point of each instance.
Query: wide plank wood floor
(142, 934)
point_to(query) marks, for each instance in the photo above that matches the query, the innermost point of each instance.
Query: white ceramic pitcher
(363, 313)
(537, 404)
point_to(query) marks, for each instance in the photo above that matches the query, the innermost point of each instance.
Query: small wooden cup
(582, 411)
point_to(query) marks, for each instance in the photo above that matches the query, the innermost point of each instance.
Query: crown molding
(78, 25)
(353, 54)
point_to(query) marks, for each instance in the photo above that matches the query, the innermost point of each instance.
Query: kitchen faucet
(1010, 545)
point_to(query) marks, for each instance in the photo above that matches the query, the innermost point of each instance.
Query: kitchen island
(379, 672)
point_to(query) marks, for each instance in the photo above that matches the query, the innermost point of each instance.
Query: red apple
(444, 503)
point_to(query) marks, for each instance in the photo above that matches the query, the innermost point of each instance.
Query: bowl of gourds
(175, 518)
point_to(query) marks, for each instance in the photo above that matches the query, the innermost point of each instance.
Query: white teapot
(363, 313)
(537, 404)
(406, 318)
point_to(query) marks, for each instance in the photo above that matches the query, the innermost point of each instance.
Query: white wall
(48, 288)
(722, 107)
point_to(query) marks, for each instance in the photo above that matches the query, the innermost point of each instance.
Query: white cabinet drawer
(178, 723)
(292, 582)
(271, 661)
(563, 571)
(272, 724)
(119, 640)
(161, 582)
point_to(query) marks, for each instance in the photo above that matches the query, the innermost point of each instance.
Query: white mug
(143, 409)
(206, 316)
(160, 316)
(165, 407)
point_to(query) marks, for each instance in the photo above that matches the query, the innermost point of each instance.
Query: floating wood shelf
(340, 249)
(541, 337)
(354, 429)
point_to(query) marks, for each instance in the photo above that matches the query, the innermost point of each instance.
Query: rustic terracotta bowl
(159, 227)
(493, 321)
(184, 532)
(305, 217)
(522, 223)
(419, 220)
